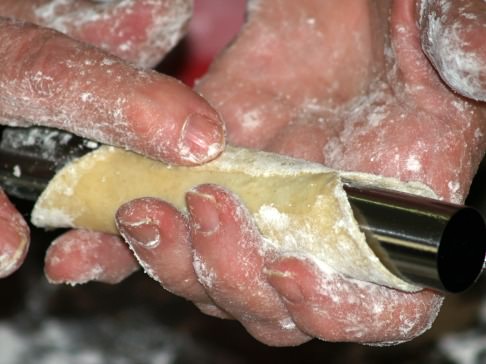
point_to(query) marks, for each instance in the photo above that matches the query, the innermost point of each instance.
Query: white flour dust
(162, 34)
(444, 44)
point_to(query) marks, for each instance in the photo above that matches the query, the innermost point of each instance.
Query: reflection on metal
(428, 242)
(29, 158)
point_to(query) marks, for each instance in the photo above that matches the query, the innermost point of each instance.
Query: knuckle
(32, 60)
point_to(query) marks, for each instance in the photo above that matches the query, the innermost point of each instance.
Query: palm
(330, 96)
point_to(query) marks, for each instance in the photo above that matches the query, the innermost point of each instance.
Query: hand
(52, 80)
(340, 85)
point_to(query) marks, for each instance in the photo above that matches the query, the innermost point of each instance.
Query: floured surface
(300, 208)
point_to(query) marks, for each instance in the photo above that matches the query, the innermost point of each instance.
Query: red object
(214, 24)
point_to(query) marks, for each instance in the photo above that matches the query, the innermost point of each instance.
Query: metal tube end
(427, 242)
(461, 254)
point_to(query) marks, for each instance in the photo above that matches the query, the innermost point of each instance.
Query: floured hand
(50, 79)
(348, 85)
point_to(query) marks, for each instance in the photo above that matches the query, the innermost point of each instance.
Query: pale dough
(299, 207)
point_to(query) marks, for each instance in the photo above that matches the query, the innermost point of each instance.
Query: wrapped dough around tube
(300, 208)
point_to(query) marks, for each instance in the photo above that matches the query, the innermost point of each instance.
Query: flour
(453, 187)
(54, 215)
(272, 216)
(162, 34)
(205, 275)
(444, 44)
(17, 172)
(413, 164)
(288, 324)
(86, 97)
(7, 261)
(10, 255)
(311, 21)
(252, 120)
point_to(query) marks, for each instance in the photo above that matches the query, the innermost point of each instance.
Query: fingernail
(142, 233)
(285, 285)
(204, 212)
(202, 139)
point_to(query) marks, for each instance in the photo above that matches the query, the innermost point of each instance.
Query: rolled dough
(300, 207)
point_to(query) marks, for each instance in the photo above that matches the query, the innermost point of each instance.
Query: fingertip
(135, 224)
(222, 229)
(204, 211)
(212, 196)
(14, 237)
(142, 222)
(220, 221)
(78, 257)
(170, 122)
(158, 234)
(14, 244)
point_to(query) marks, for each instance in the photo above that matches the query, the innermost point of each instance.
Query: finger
(14, 237)
(228, 259)
(81, 256)
(141, 32)
(50, 79)
(330, 307)
(158, 234)
(452, 36)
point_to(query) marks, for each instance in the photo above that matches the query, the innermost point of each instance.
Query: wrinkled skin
(49, 79)
(344, 83)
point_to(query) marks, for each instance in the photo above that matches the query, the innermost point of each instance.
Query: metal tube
(427, 242)
(424, 241)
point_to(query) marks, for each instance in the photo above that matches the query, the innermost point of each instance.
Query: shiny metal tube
(424, 241)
